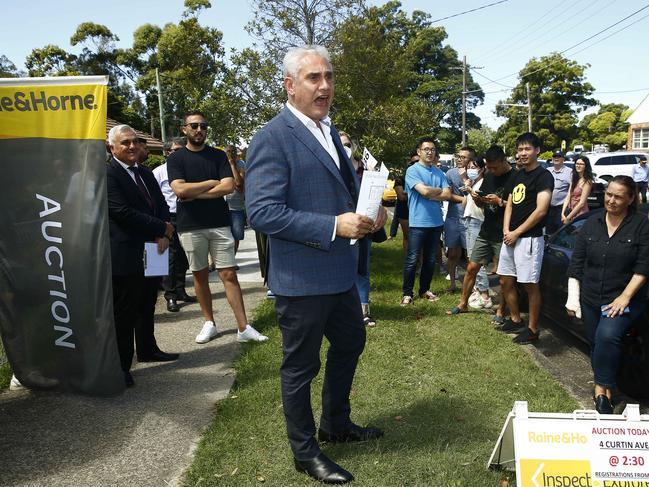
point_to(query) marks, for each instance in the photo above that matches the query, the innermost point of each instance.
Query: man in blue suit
(301, 190)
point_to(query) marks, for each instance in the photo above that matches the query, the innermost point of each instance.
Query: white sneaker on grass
(475, 299)
(250, 335)
(207, 333)
(15, 385)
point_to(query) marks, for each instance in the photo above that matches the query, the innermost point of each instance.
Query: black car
(633, 377)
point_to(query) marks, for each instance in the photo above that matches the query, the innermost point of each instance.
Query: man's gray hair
(294, 56)
(116, 130)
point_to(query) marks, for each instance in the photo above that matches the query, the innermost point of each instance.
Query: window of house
(641, 138)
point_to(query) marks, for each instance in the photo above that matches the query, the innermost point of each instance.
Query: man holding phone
(491, 197)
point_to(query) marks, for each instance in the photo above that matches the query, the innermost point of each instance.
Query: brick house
(638, 138)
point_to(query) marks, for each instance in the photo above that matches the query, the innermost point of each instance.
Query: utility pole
(529, 108)
(163, 132)
(464, 102)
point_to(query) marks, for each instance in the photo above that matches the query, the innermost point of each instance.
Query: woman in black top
(608, 271)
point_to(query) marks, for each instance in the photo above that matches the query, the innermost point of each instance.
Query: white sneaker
(15, 385)
(207, 333)
(250, 335)
(475, 300)
(487, 303)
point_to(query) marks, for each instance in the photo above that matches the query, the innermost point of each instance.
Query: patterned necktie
(140, 184)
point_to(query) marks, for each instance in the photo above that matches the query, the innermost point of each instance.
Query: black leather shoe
(354, 433)
(603, 404)
(323, 470)
(188, 299)
(172, 306)
(128, 378)
(159, 356)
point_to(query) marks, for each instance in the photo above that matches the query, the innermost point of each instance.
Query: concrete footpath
(146, 436)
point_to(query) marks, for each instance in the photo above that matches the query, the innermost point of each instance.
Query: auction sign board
(56, 314)
(582, 449)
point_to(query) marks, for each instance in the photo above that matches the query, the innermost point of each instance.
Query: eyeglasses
(427, 149)
(195, 125)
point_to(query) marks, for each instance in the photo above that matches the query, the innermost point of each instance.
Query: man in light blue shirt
(641, 177)
(427, 188)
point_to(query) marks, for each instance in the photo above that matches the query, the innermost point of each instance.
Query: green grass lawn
(440, 387)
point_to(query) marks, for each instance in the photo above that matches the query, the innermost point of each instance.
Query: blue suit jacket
(293, 193)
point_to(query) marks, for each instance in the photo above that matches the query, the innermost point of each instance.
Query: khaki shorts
(218, 242)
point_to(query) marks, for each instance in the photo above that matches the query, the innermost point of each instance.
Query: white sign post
(582, 449)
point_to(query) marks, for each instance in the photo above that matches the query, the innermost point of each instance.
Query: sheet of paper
(155, 264)
(372, 187)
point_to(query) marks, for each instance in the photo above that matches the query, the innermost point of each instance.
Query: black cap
(643, 158)
(558, 153)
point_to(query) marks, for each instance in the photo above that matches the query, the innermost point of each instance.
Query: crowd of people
(298, 190)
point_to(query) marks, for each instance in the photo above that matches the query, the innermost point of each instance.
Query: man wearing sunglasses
(200, 176)
(174, 283)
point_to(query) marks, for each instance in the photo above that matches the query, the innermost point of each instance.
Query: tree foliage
(480, 139)
(281, 24)
(397, 81)
(607, 126)
(559, 92)
(7, 68)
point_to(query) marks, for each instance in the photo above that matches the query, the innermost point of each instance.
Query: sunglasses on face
(195, 125)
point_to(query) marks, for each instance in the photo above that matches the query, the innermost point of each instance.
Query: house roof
(154, 145)
(641, 113)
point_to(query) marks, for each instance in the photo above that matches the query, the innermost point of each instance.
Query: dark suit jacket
(131, 220)
(293, 193)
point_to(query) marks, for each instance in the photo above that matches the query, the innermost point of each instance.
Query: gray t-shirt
(562, 181)
(236, 201)
(455, 183)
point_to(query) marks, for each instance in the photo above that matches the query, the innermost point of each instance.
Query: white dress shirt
(322, 133)
(323, 136)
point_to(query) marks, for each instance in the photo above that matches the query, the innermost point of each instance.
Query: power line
(622, 91)
(524, 29)
(580, 43)
(610, 35)
(489, 79)
(541, 41)
(526, 39)
(468, 11)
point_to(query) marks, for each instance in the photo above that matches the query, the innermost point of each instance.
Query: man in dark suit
(138, 213)
(301, 191)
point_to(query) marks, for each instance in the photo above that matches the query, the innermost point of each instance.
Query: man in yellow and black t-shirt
(521, 257)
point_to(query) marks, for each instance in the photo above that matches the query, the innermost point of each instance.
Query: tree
(191, 63)
(397, 81)
(100, 56)
(51, 60)
(559, 92)
(481, 139)
(281, 24)
(607, 126)
(7, 68)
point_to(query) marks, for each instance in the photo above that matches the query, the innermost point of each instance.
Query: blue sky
(500, 39)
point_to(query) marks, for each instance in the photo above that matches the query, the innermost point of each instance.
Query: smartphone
(604, 309)
(479, 192)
